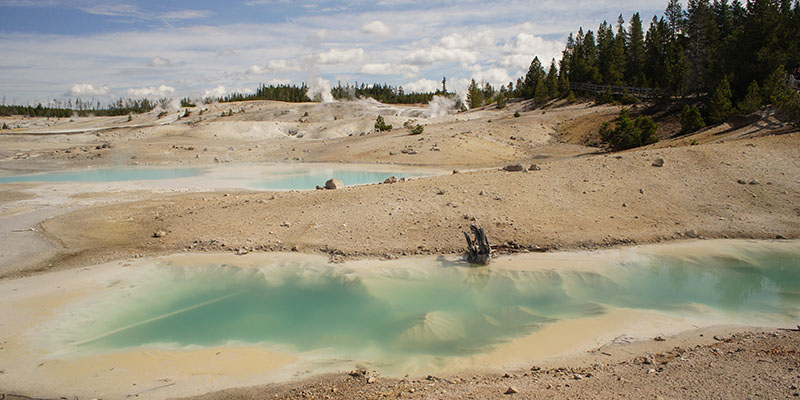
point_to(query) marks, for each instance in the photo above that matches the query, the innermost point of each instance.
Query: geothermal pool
(246, 176)
(106, 175)
(188, 324)
(393, 314)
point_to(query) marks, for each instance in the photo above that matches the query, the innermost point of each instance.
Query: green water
(306, 179)
(432, 308)
(106, 175)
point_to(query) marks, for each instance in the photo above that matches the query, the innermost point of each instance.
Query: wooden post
(478, 250)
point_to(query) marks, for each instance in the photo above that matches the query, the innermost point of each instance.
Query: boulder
(334, 183)
(514, 168)
(391, 179)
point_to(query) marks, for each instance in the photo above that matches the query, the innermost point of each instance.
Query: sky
(109, 49)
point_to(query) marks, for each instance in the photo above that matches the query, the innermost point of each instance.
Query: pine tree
(691, 120)
(636, 52)
(552, 80)
(474, 95)
(752, 100)
(720, 106)
(675, 17)
(533, 77)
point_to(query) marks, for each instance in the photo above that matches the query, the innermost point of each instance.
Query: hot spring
(420, 311)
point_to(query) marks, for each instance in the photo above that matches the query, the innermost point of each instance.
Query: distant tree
(532, 78)
(752, 100)
(501, 100)
(552, 80)
(636, 52)
(474, 95)
(691, 120)
(675, 17)
(720, 107)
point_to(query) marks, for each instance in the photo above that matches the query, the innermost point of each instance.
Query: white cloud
(115, 10)
(218, 91)
(86, 89)
(186, 14)
(377, 28)
(159, 62)
(335, 56)
(524, 47)
(495, 76)
(389, 69)
(272, 66)
(152, 92)
(422, 85)
(425, 57)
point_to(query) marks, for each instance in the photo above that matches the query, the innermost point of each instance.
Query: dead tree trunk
(478, 250)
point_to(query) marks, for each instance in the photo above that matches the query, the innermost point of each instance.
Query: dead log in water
(478, 250)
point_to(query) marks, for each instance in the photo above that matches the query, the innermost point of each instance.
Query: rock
(659, 162)
(159, 234)
(391, 179)
(334, 183)
(455, 171)
(320, 187)
(295, 248)
(754, 182)
(651, 371)
(511, 390)
(441, 192)
(624, 204)
(241, 251)
(514, 168)
(286, 224)
(659, 339)
(691, 233)
(577, 377)
(534, 167)
(371, 379)
(741, 182)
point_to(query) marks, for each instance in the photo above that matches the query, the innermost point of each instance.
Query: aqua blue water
(311, 178)
(437, 309)
(106, 175)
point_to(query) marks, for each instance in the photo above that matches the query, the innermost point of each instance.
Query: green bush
(629, 133)
(5, 126)
(417, 130)
(789, 106)
(380, 124)
(517, 114)
(628, 99)
(691, 120)
(604, 97)
(571, 98)
(501, 101)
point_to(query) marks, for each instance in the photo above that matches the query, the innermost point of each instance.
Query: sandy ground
(737, 180)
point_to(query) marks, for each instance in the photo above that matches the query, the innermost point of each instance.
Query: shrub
(5, 126)
(571, 98)
(186, 113)
(604, 97)
(162, 114)
(691, 120)
(517, 114)
(418, 130)
(501, 101)
(629, 133)
(628, 99)
(380, 124)
(721, 107)
(789, 106)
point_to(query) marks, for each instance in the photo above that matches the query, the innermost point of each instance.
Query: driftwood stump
(478, 250)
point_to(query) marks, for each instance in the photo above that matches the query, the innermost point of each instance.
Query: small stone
(741, 182)
(159, 234)
(241, 251)
(441, 192)
(534, 167)
(577, 377)
(754, 182)
(659, 162)
(511, 390)
(691, 233)
(651, 371)
(295, 248)
(371, 379)
(391, 179)
(641, 191)
(659, 339)
(624, 204)
(455, 171)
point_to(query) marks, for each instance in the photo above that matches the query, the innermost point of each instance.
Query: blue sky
(109, 49)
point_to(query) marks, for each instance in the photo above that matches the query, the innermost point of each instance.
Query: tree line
(119, 107)
(730, 57)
